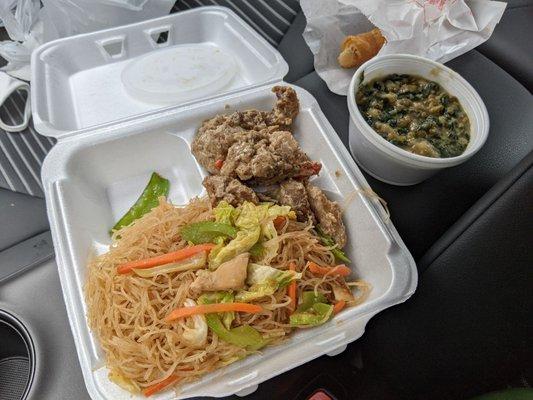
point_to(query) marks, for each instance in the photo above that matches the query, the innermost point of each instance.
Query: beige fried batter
(357, 49)
(255, 146)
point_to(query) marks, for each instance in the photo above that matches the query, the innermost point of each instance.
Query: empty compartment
(105, 179)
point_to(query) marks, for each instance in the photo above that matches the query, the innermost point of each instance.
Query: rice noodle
(127, 312)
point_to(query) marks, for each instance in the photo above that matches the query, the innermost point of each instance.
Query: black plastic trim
(475, 212)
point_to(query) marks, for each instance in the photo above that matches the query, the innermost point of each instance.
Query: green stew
(415, 114)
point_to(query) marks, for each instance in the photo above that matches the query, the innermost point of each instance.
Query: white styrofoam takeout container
(388, 162)
(94, 174)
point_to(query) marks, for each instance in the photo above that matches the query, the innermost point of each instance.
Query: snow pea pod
(157, 187)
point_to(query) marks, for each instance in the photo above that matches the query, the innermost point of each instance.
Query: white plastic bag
(25, 32)
(437, 29)
(63, 18)
(10, 5)
(30, 25)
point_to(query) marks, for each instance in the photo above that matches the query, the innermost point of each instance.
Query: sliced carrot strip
(150, 390)
(339, 306)
(340, 269)
(292, 289)
(212, 308)
(178, 255)
(219, 163)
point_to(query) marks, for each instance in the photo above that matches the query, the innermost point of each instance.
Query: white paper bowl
(389, 163)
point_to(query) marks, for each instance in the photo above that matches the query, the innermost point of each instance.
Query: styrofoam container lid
(98, 79)
(179, 73)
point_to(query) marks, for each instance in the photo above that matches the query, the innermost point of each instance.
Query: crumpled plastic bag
(437, 29)
(23, 28)
(63, 18)
(30, 25)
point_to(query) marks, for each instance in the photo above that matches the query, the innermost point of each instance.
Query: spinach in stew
(415, 114)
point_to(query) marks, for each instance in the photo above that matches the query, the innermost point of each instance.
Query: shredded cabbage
(122, 381)
(268, 230)
(229, 316)
(284, 211)
(248, 235)
(264, 281)
(224, 213)
(257, 291)
(258, 274)
(312, 310)
(254, 224)
(196, 336)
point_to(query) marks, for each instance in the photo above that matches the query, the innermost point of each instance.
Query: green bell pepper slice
(207, 231)
(328, 241)
(242, 336)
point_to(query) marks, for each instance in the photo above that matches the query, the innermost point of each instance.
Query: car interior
(465, 333)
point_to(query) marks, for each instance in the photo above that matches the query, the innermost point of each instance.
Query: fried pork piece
(292, 193)
(216, 135)
(229, 189)
(214, 138)
(328, 214)
(309, 202)
(286, 108)
(263, 158)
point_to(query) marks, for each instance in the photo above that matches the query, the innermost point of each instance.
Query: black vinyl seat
(515, 56)
(468, 328)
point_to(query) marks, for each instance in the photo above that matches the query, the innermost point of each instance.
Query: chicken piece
(343, 293)
(286, 108)
(262, 158)
(218, 134)
(328, 214)
(292, 193)
(228, 189)
(230, 275)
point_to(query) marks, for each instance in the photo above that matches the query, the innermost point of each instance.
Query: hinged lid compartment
(78, 82)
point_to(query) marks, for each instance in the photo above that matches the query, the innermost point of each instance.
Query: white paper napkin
(437, 29)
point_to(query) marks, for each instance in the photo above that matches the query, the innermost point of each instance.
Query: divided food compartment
(93, 175)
